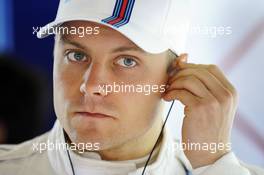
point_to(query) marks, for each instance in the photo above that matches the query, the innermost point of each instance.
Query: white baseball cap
(153, 25)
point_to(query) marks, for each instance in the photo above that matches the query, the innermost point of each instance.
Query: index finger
(213, 69)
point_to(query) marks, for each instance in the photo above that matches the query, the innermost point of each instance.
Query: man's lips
(93, 115)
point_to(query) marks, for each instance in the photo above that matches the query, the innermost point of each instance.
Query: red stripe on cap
(121, 14)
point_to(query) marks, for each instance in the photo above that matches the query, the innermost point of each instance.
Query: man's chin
(91, 136)
(93, 132)
(93, 143)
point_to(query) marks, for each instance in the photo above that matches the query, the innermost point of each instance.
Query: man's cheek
(67, 83)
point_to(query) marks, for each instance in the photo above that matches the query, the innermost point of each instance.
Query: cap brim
(146, 41)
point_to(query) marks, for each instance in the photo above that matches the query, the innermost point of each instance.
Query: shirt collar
(60, 161)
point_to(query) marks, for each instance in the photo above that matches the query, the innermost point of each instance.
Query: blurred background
(227, 33)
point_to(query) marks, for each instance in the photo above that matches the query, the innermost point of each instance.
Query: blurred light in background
(20, 48)
(6, 35)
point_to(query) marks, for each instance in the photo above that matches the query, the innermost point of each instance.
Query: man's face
(82, 64)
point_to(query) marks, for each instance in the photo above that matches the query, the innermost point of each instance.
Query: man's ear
(183, 57)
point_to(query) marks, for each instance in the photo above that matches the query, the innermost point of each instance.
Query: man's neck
(137, 148)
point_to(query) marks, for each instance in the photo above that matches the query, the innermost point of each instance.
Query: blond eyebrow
(63, 39)
(128, 48)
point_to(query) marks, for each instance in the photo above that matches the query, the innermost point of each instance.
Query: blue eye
(76, 56)
(127, 62)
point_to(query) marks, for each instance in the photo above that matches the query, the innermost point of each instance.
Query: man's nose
(94, 79)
